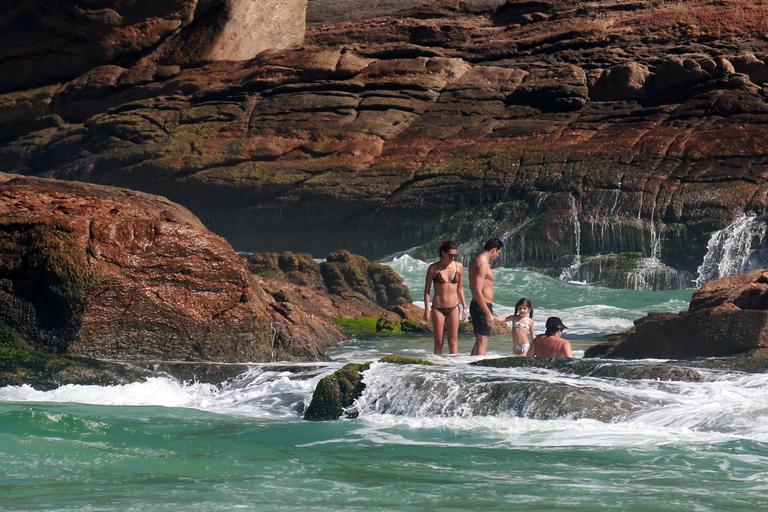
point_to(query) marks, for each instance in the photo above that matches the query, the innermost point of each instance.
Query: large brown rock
(111, 273)
(727, 316)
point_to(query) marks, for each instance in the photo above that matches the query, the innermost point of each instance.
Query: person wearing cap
(551, 343)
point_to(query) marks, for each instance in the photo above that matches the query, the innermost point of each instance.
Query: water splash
(652, 274)
(735, 249)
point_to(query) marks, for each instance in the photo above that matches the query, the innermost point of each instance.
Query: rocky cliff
(111, 273)
(573, 129)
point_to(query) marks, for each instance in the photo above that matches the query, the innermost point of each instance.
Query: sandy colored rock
(42, 43)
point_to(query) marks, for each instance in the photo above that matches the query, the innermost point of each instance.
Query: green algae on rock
(398, 359)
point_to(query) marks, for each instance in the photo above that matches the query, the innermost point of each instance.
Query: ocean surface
(448, 437)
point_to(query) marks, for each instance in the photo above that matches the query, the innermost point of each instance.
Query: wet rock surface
(345, 286)
(727, 316)
(336, 392)
(598, 368)
(112, 273)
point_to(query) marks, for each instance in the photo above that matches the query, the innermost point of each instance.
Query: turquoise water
(449, 437)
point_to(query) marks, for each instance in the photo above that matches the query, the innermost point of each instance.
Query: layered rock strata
(112, 273)
(570, 129)
(727, 316)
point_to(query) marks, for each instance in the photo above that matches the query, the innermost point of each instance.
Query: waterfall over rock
(735, 249)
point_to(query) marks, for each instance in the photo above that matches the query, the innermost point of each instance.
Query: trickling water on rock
(736, 249)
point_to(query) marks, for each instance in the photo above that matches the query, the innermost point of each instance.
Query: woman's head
(524, 305)
(449, 249)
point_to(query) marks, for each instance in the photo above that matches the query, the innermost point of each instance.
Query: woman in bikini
(522, 327)
(446, 276)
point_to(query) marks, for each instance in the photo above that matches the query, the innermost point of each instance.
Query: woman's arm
(460, 291)
(427, 289)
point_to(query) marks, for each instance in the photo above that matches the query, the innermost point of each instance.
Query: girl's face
(523, 311)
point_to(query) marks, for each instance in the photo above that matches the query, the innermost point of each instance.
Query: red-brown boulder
(112, 273)
(727, 316)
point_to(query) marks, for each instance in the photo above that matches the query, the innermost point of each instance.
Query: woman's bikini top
(438, 279)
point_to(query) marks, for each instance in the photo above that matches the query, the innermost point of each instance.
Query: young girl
(522, 327)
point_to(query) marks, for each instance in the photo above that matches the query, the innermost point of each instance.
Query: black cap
(555, 324)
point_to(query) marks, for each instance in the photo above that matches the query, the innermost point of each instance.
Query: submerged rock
(398, 359)
(598, 368)
(111, 273)
(335, 394)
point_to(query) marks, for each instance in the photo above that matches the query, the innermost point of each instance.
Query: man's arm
(567, 352)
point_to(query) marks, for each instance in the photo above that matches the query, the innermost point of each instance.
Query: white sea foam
(256, 393)
(433, 405)
(721, 409)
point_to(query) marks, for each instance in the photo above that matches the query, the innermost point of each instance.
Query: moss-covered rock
(45, 371)
(370, 326)
(336, 392)
(344, 272)
(398, 359)
(596, 368)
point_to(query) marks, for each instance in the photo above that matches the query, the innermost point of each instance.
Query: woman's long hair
(447, 246)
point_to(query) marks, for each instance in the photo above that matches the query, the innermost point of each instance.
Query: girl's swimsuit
(522, 348)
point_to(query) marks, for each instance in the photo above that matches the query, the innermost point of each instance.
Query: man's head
(554, 326)
(493, 247)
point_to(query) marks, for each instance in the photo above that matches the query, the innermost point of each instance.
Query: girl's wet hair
(447, 246)
(527, 303)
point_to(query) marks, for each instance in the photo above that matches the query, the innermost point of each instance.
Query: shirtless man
(551, 343)
(481, 284)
